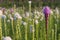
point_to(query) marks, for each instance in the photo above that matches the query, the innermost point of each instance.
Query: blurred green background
(37, 3)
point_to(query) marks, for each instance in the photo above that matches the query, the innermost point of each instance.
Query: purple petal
(46, 10)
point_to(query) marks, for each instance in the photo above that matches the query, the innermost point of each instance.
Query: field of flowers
(19, 24)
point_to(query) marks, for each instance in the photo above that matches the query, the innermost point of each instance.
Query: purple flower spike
(46, 10)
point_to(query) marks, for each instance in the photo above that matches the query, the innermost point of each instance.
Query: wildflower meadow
(41, 23)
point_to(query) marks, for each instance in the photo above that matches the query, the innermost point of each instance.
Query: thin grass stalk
(58, 36)
(18, 35)
(55, 31)
(14, 7)
(31, 33)
(53, 34)
(12, 29)
(44, 30)
(26, 29)
(26, 32)
(40, 26)
(49, 27)
(17, 29)
(30, 9)
(33, 29)
(5, 28)
(36, 31)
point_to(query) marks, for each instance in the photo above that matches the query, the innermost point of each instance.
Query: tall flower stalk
(4, 24)
(5, 27)
(12, 26)
(33, 29)
(30, 8)
(25, 32)
(55, 31)
(0, 29)
(46, 11)
(37, 25)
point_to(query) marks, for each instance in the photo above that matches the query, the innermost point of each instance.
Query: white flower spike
(29, 1)
(7, 38)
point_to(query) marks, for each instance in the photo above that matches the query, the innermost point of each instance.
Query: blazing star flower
(7, 38)
(46, 11)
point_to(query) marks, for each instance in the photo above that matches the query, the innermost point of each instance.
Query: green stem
(36, 31)
(56, 32)
(30, 9)
(52, 34)
(59, 37)
(25, 32)
(12, 28)
(5, 27)
(0, 30)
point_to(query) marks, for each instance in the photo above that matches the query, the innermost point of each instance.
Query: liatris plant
(46, 11)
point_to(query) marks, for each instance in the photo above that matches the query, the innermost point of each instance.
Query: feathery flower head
(51, 12)
(36, 21)
(36, 12)
(27, 14)
(16, 15)
(46, 10)
(7, 38)
(41, 19)
(3, 16)
(8, 20)
(57, 10)
(24, 23)
(29, 1)
(36, 17)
